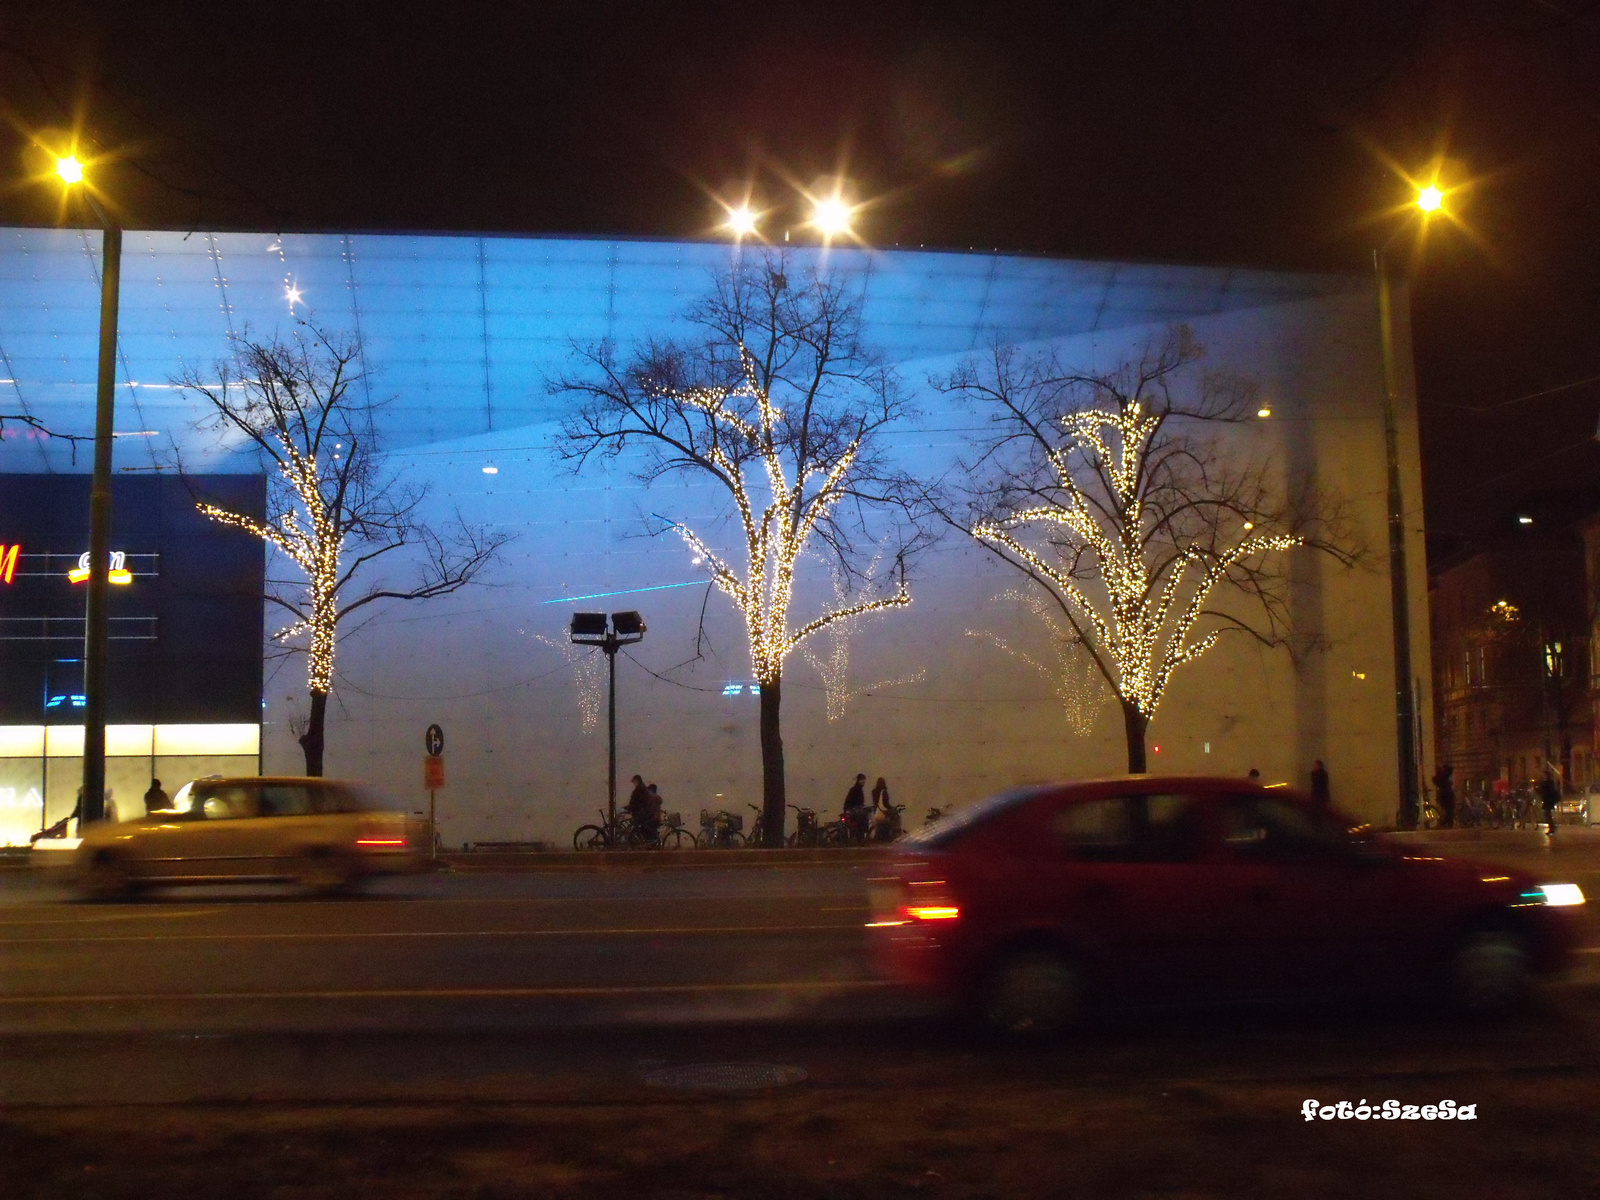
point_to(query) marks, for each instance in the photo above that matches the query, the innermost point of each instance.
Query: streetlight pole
(1428, 200)
(1399, 589)
(94, 615)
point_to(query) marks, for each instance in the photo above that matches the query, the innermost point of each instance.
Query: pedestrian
(1549, 796)
(649, 821)
(855, 808)
(1254, 776)
(638, 799)
(155, 800)
(882, 812)
(1320, 795)
(1444, 786)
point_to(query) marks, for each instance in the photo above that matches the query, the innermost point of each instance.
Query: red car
(1030, 905)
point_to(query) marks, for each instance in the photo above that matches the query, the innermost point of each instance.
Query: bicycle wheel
(677, 839)
(835, 835)
(589, 837)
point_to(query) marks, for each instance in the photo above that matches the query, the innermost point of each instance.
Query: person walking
(155, 800)
(1549, 796)
(1444, 787)
(1321, 796)
(855, 808)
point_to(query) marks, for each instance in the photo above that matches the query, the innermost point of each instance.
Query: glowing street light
(1429, 199)
(741, 221)
(70, 169)
(831, 216)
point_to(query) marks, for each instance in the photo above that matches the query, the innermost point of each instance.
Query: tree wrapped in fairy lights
(334, 508)
(778, 402)
(1120, 495)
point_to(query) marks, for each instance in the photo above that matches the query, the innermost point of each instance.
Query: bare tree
(334, 508)
(1114, 493)
(779, 402)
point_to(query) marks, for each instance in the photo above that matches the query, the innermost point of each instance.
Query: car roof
(236, 780)
(1089, 789)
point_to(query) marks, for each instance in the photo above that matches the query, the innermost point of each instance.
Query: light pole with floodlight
(591, 629)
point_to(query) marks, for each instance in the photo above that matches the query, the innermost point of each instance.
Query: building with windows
(1512, 636)
(948, 699)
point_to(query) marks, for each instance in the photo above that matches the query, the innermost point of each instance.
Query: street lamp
(1429, 200)
(831, 216)
(590, 629)
(71, 173)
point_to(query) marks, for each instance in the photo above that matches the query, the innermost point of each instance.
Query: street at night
(441, 1030)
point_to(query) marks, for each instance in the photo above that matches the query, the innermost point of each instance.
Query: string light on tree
(834, 666)
(1127, 518)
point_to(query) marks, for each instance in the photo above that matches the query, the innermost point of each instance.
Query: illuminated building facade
(944, 697)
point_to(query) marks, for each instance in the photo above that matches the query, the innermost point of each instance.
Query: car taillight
(914, 900)
(380, 839)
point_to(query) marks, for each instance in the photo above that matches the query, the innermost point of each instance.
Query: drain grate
(725, 1077)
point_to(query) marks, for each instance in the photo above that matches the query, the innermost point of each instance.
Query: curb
(603, 860)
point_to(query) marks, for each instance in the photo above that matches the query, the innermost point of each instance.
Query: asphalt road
(521, 985)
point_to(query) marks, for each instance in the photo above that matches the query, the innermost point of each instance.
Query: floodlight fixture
(588, 625)
(627, 624)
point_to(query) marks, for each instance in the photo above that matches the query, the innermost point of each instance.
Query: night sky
(1259, 133)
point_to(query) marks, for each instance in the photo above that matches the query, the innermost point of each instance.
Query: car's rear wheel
(325, 872)
(106, 877)
(1033, 992)
(1489, 972)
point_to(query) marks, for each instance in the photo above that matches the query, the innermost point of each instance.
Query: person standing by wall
(1444, 786)
(1321, 796)
(855, 808)
(1549, 796)
(155, 800)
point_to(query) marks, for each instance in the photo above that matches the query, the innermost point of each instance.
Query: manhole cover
(725, 1077)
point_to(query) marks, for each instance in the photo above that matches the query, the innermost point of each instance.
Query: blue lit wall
(460, 334)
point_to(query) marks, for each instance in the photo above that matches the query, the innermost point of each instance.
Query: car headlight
(1559, 894)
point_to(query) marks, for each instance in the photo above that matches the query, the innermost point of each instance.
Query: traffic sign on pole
(433, 772)
(433, 741)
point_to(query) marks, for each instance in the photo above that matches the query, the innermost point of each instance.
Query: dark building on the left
(185, 662)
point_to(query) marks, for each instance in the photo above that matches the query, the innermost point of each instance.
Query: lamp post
(94, 616)
(1428, 201)
(591, 629)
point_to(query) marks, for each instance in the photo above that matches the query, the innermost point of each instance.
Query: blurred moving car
(321, 833)
(1033, 905)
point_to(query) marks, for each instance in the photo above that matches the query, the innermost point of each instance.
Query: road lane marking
(154, 915)
(663, 989)
(428, 933)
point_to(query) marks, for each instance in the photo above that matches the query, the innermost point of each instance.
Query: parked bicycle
(756, 838)
(806, 831)
(720, 830)
(886, 825)
(621, 834)
(935, 814)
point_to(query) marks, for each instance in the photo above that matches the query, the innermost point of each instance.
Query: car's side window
(1265, 828)
(284, 800)
(1174, 828)
(229, 804)
(330, 800)
(1159, 828)
(1097, 830)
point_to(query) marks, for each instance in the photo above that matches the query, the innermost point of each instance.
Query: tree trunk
(774, 797)
(311, 739)
(1134, 723)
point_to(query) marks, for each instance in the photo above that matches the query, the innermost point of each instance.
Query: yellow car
(321, 833)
